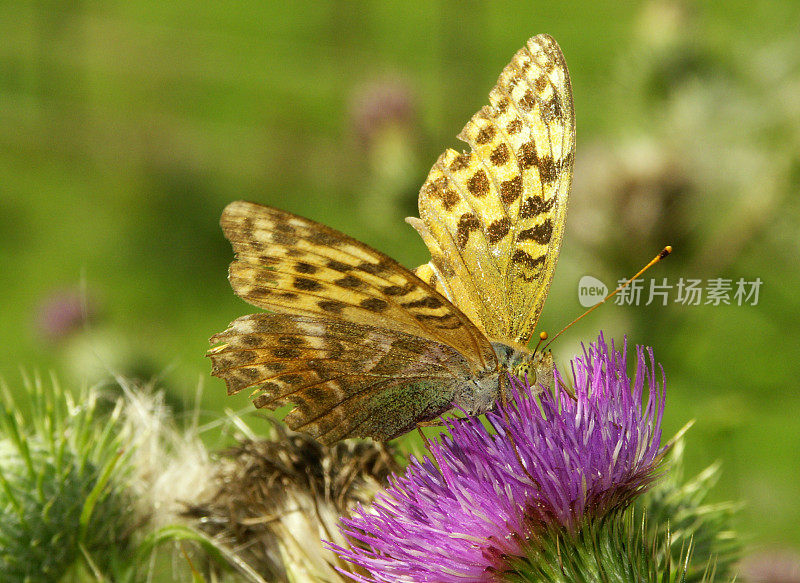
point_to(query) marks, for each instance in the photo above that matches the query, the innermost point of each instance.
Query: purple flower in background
(586, 451)
(64, 312)
(381, 104)
(772, 566)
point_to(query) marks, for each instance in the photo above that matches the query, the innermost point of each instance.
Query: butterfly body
(362, 346)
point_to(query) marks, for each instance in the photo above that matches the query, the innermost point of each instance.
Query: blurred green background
(125, 128)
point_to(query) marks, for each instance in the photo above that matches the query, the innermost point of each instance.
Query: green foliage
(61, 499)
(683, 506)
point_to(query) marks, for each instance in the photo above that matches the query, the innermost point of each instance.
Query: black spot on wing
(399, 290)
(498, 229)
(460, 162)
(526, 155)
(485, 135)
(376, 305)
(540, 233)
(499, 155)
(534, 206)
(523, 258)
(323, 239)
(349, 282)
(478, 184)
(284, 239)
(331, 306)
(445, 321)
(511, 190)
(305, 284)
(466, 224)
(338, 266)
(426, 302)
(547, 170)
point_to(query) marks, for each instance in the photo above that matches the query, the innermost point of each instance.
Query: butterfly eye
(523, 370)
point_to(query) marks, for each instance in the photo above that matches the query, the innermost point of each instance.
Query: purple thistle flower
(381, 104)
(64, 312)
(586, 451)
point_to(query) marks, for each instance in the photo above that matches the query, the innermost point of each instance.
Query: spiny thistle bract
(669, 534)
(61, 507)
(693, 523)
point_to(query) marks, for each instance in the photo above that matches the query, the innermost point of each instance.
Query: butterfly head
(535, 367)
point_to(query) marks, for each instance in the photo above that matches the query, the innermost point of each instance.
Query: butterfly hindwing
(493, 217)
(345, 379)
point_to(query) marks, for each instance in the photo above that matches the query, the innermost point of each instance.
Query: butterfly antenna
(664, 253)
(542, 338)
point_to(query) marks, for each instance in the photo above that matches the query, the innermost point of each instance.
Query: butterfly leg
(440, 422)
(432, 423)
(422, 434)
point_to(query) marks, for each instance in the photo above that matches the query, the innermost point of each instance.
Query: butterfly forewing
(493, 217)
(289, 264)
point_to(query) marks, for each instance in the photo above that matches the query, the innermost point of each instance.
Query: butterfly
(362, 346)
